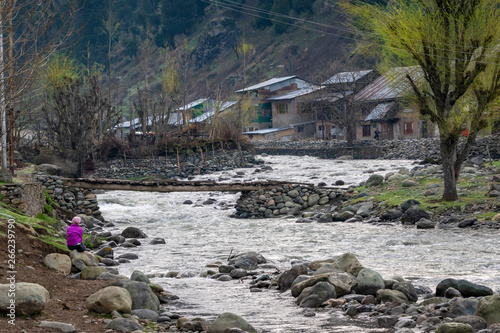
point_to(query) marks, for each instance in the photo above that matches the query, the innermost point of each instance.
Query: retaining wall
(26, 197)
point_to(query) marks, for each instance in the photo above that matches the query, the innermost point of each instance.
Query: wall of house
(292, 117)
(329, 129)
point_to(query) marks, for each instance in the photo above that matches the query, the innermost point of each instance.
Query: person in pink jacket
(75, 235)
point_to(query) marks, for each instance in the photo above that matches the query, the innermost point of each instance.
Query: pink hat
(76, 220)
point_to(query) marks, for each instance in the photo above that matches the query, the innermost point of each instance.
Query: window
(281, 108)
(367, 130)
(408, 128)
(300, 129)
(320, 128)
(304, 108)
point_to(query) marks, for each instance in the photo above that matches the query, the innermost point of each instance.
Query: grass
(472, 191)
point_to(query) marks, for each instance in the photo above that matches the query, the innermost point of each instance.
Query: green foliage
(48, 209)
(282, 7)
(60, 69)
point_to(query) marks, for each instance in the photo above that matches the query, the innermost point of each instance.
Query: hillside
(313, 46)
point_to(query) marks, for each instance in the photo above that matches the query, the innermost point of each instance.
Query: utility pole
(11, 100)
(2, 103)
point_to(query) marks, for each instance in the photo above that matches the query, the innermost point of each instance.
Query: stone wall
(418, 149)
(27, 197)
(72, 199)
(289, 199)
(190, 164)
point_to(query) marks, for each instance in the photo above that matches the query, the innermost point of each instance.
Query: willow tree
(456, 45)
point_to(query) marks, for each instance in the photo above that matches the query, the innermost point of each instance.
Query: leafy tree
(455, 44)
(263, 21)
(302, 5)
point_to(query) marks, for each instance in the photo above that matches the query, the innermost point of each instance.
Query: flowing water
(197, 235)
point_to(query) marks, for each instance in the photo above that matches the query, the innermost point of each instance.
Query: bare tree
(34, 31)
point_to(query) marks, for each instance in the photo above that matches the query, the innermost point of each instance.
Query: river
(197, 235)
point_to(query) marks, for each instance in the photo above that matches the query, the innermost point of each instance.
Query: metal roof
(210, 113)
(347, 77)
(193, 104)
(267, 83)
(391, 85)
(379, 111)
(269, 130)
(295, 94)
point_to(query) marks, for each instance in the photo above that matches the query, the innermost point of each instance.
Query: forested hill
(214, 44)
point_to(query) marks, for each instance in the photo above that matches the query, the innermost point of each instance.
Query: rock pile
(289, 199)
(190, 165)
(415, 149)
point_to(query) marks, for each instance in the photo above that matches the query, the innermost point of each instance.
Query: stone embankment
(417, 149)
(289, 199)
(187, 165)
(27, 197)
(72, 199)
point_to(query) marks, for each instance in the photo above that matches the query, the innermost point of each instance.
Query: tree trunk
(350, 134)
(449, 157)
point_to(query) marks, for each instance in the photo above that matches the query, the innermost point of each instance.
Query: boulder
(249, 260)
(425, 224)
(92, 272)
(462, 307)
(133, 232)
(342, 282)
(124, 325)
(391, 214)
(286, 279)
(313, 297)
(347, 262)
(407, 289)
(369, 282)
(229, 320)
(139, 276)
(476, 322)
(50, 169)
(374, 180)
(409, 203)
(88, 258)
(142, 295)
(110, 299)
(59, 262)
(193, 325)
(454, 328)
(89, 221)
(146, 314)
(466, 288)
(414, 214)
(388, 295)
(489, 309)
(31, 298)
(157, 240)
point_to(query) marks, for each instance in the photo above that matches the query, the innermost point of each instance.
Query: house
(279, 133)
(268, 89)
(380, 105)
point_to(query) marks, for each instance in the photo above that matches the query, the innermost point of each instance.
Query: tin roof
(391, 85)
(295, 94)
(210, 113)
(347, 77)
(193, 104)
(269, 130)
(267, 83)
(379, 112)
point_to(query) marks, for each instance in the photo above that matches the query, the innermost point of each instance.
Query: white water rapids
(197, 235)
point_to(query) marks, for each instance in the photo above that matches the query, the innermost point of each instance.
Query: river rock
(238, 273)
(462, 307)
(313, 199)
(106, 251)
(425, 224)
(387, 321)
(369, 282)
(142, 295)
(409, 203)
(388, 295)
(414, 214)
(407, 289)
(124, 325)
(89, 221)
(58, 262)
(31, 298)
(139, 276)
(466, 288)
(489, 309)
(391, 214)
(110, 299)
(92, 272)
(452, 293)
(286, 278)
(92, 241)
(50, 169)
(454, 328)
(343, 283)
(63, 327)
(374, 180)
(146, 314)
(249, 260)
(133, 232)
(157, 240)
(88, 258)
(131, 256)
(313, 297)
(476, 322)
(229, 320)
(192, 325)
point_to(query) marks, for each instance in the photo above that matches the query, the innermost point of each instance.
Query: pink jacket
(75, 234)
